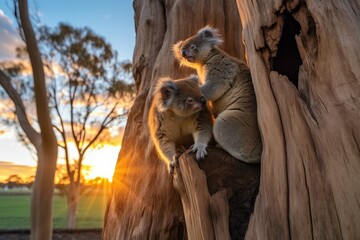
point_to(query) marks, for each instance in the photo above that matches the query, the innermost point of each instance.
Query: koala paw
(200, 149)
(174, 163)
(171, 169)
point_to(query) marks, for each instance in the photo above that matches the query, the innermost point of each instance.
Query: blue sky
(110, 19)
(114, 20)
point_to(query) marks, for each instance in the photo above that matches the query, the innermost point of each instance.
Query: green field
(15, 211)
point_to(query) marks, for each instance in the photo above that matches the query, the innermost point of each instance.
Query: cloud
(10, 38)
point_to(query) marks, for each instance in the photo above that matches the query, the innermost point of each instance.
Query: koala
(226, 83)
(178, 118)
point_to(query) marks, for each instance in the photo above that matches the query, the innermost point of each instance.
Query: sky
(110, 19)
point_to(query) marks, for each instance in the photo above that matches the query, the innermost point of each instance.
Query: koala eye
(190, 100)
(192, 47)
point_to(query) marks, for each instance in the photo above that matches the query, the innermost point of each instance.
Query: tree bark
(309, 185)
(144, 203)
(304, 58)
(218, 198)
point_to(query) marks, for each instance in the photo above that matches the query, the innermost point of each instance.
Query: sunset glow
(102, 162)
(97, 162)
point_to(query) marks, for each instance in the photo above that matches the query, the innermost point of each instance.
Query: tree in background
(89, 95)
(43, 139)
(14, 180)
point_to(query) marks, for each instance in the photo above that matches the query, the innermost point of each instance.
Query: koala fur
(178, 118)
(226, 82)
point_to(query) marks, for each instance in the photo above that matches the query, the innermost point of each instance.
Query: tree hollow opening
(287, 60)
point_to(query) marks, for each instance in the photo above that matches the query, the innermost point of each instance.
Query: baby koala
(178, 118)
(226, 83)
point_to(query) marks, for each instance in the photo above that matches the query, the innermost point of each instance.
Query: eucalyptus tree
(40, 135)
(89, 94)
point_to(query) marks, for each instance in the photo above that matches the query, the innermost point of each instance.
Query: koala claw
(174, 164)
(200, 149)
(171, 169)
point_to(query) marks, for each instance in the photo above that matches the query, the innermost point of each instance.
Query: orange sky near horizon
(97, 163)
(8, 168)
(16, 158)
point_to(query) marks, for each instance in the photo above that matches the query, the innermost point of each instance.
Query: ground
(15, 215)
(15, 211)
(83, 234)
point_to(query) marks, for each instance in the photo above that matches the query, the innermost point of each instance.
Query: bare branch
(88, 112)
(103, 126)
(72, 124)
(61, 146)
(57, 129)
(83, 129)
(63, 134)
(30, 132)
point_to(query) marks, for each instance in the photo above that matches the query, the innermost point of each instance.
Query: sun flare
(101, 162)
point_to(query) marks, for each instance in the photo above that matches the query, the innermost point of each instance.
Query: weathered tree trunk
(218, 198)
(144, 203)
(309, 185)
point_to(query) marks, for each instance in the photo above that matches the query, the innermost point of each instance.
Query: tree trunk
(45, 142)
(304, 58)
(72, 201)
(144, 203)
(218, 198)
(311, 161)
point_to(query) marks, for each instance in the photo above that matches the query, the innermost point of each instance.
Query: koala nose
(203, 101)
(183, 53)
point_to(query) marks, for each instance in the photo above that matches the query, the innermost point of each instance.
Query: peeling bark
(317, 190)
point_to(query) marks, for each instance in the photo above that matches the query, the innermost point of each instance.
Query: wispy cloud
(10, 38)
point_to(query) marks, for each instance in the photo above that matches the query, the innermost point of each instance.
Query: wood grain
(310, 133)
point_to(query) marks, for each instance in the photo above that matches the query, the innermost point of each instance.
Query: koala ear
(167, 89)
(211, 35)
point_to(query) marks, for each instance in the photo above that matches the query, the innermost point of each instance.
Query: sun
(101, 162)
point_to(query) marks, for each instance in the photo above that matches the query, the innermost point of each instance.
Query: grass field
(15, 211)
